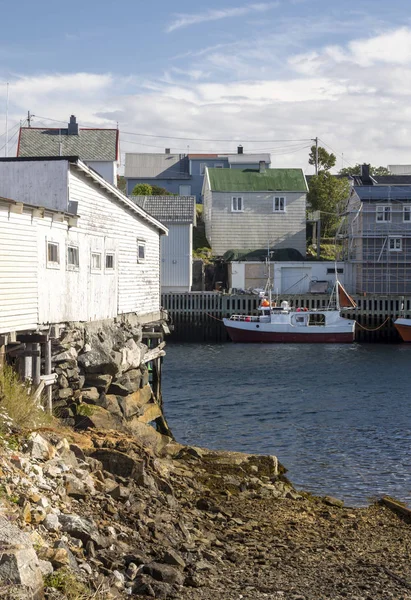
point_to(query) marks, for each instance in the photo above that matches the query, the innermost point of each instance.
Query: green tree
(326, 161)
(122, 184)
(160, 191)
(142, 189)
(328, 194)
(356, 170)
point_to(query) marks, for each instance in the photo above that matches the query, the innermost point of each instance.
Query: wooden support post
(28, 366)
(2, 355)
(47, 371)
(36, 362)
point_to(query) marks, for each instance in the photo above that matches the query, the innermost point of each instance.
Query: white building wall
(107, 169)
(38, 182)
(138, 282)
(18, 270)
(176, 258)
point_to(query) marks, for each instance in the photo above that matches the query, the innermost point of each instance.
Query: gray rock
(52, 523)
(65, 393)
(132, 571)
(82, 528)
(131, 355)
(18, 560)
(39, 447)
(90, 395)
(75, 487)
(68, 355)
(46, 567)
(331, 501)
(98, 360)
(62, 381)
(126, 384)
(100, 381)
(164, 573)
(171, 557)
(118, 463)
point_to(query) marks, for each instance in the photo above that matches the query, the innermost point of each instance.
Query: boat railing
(248, 318)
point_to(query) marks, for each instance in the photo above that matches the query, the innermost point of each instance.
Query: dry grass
(17, 404)
(68, 584)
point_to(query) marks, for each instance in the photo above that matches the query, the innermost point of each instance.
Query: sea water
(338, 417)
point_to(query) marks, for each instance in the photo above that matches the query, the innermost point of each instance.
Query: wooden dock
(196, 316)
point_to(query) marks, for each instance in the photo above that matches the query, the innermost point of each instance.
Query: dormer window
(237, 204)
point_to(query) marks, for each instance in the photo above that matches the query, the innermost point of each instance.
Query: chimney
(72, 128)
(239, 149)
(262, 166)
(168, 151)
(365, 174)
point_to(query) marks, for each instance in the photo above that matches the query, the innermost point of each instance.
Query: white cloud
(185, 20)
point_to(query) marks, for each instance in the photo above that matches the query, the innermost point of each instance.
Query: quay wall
(196, 316)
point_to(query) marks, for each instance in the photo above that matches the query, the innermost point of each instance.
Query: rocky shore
(102, 515)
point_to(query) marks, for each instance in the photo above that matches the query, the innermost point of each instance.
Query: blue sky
(238, 71)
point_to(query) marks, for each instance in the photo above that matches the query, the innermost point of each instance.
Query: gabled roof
(169, 209)
(146, 165)
(383, 193)
(236, 180)
(88, 144)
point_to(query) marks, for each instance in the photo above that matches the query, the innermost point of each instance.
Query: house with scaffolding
(376, 239)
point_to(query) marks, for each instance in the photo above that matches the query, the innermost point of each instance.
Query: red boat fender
(248, 318)
(305, 309)
(298, 309)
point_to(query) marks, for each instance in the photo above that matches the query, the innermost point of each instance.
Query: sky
(204, 77)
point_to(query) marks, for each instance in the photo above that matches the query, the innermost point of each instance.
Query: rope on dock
(373, 328)
(213, 317)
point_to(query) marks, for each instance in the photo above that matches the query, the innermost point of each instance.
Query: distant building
(178, 213)
(247, 209)
(73, 247)
(97, 148)
(183, 174)
(377, 239)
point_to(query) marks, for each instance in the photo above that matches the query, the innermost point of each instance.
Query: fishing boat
(283, 323)
(403, 326)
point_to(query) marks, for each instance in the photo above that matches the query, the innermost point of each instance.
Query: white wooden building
(72, 247)
(178, 213)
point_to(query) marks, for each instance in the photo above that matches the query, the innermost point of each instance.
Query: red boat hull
(243, 335)
(404, 331)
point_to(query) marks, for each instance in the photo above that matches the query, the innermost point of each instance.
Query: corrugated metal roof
(278, 180)
(244, 159)
(89, 144)
(146, 165)
(383, 192)
(169, 209)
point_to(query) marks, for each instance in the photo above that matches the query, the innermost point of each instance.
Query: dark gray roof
(156, 166)
(392, 179)
(88, 144)
(168, 209)
(383, 192)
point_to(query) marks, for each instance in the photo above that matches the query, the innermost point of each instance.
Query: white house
(252, 209)
(72, 247)
(97, 147)
(178, 213)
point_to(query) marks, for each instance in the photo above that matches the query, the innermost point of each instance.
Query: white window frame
(141, 244)
(202, 168)
(406, 211)
(73, 266)
(219, 165)
(92, 267)
(395, 239)
(52, 264)
(235, 204)
(106, 268)
(381, 209)
(277, 204)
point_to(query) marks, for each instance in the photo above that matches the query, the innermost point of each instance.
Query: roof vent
(262, 166)
(239, 149)
(72, 128)
(168, 151)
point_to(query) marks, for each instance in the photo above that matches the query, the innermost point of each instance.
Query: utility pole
(316, 155)
(7, 121)
(28, 118)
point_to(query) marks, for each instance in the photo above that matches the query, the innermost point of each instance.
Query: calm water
(337, 416)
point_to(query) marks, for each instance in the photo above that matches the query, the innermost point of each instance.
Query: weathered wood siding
(257, 226)
(40, 182)
(103, 216)
(18, 271)
(176, 258)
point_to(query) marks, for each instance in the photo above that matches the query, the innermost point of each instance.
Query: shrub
(142, 189)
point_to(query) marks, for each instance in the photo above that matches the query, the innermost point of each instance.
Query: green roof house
(255, 208)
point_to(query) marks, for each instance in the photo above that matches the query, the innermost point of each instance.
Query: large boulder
(126, 384)
(118, 463)
(99, 418)
(131, 355)
(133, 404)
(81, 528)
(18, 560)
(99, 360)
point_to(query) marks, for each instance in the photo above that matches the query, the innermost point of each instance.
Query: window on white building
(383, 214)
(237, 204)
(109, 261)
(96, 261)
(73, 261)
(141, 251)
(406, 215)
(53, 255)
(395, 244)
(279, 204)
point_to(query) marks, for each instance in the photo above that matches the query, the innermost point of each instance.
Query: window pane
(141, 251)
(109, 261)
(52, 252)
(96, 261)
(72, 256)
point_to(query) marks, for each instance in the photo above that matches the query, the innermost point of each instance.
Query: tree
(160, 191)
(356, 170)
(122, 184)
(142, 189)
(328, 194)
(326, 161)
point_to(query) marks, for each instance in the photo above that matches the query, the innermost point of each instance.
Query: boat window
(316, 319)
